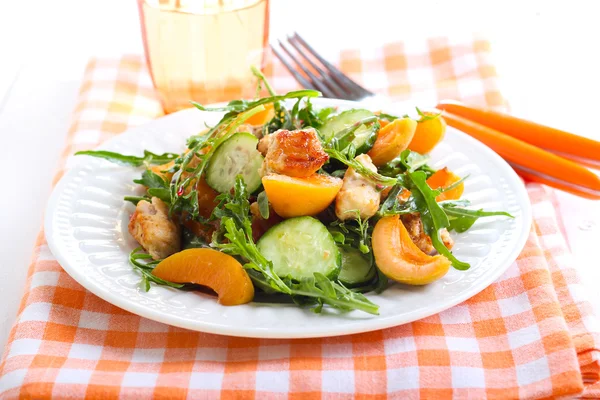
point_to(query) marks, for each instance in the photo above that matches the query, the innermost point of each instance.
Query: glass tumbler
(202, 50)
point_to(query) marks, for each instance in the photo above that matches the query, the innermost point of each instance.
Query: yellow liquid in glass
(203, 50)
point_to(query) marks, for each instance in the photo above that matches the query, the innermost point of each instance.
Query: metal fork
(324, 77)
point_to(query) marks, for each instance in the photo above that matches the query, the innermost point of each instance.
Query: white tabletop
(550, 75)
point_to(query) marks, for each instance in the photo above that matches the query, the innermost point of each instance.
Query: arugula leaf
(263, 204)
(393, 206)
(149, 158)
(145, 268)
(307, 116)
(338, 236)
(195, 140)
(163, 194)
(156, 185)
(261, 79)
(455, 184)
(455, 203)
(152, 180)
(357, 232)
(282, 119)
(407, 161)
(461, 219)
(361, 169)
(342, 139)
(324, 291)
(452, 210)
(413, 161)
(324, 113)
(461, 224)
(432, 215)
(425, 117)
(387, 117)
(239, 106)
(136, 199)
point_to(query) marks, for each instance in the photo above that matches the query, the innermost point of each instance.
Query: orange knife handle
(524, 154)
(527, 131)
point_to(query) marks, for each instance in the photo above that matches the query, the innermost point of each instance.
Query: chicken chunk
(357, 193)
(293, 153)
(414, 226)
(151, 226)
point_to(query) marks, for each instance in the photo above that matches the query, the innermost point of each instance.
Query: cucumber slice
(365, 136)
(299, 247)
(236, 156)
(356, 270)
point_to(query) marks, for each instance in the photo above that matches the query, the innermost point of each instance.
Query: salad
(298, 204)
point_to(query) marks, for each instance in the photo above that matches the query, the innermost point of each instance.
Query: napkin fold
(531, 334)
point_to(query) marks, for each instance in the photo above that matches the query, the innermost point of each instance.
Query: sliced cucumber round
(299, 247)
(356, 270)
(236, 156)
(364, 136)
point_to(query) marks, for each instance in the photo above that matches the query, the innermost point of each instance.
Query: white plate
(86, 229)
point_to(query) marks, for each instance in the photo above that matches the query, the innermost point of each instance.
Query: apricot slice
(383, 122)
(211, 268)
(392, 140)
(206, 198)
(444, 178)
(400, 259)
(296, 197)
(262, 117)
(428, 134)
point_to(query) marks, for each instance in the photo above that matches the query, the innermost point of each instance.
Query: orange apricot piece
(206, 198)
(392, 140)
(262, 117)
(383, 122)
(211, 268)
(442, 179)
(428, 134)
(399, 258)
(295, 197)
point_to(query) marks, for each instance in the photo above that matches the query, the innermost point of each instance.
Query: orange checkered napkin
(531, 334)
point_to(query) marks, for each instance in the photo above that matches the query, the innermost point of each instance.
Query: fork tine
(303, 82)
(338, 91)
(336, 74)
(315, 80)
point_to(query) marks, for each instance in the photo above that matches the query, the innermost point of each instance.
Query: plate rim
(359, 326)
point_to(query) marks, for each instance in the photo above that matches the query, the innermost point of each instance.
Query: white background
(547, 53)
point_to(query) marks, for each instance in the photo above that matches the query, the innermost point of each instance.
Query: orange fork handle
(527, 131)
(526, 155)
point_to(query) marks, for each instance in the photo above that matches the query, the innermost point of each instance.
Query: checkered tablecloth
(531, 334)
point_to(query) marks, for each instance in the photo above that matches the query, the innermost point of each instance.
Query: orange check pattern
(531, 334)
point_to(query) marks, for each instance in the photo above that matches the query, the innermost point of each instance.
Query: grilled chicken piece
(357, 193)
(264, 144)
(293, 153)
(151, 226)
(414, 226)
